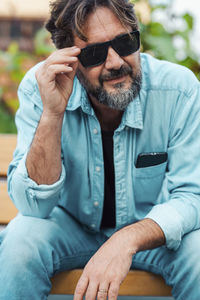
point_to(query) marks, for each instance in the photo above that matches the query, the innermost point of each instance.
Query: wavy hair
(69, 16)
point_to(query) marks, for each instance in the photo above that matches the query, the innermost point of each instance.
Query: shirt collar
(79, 98)
(132, 116)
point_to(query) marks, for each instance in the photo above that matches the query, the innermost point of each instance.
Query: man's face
(117, 81)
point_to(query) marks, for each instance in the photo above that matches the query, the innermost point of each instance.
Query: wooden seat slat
(136, 283)
(7, 146)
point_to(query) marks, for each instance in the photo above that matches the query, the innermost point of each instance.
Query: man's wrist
(49, 117)
(143, 235)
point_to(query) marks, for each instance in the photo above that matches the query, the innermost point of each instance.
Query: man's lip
(116, 80)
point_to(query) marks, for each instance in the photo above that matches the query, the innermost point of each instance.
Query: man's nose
(113, 60)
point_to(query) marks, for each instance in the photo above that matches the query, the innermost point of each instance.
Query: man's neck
(109, 118)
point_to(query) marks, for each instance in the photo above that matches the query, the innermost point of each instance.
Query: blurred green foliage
(156, 39)
(14, 63)
(7, 124)
(159, 39)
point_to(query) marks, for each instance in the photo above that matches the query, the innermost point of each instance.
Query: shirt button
(95, 131)
(93, 225)
(96, 203)
(98, 169)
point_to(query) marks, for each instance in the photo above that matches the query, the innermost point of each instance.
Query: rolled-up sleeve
(30, 198)
(179, 214)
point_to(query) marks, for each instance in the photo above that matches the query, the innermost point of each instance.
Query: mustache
(114, 74)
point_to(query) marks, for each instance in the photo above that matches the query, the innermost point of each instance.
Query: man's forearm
(143, 235)
(44, 158)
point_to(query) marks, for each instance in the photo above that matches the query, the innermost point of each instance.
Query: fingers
(60, 61)
(63, 56)
(73, 72)
(93, 290)
(108, 291)
(54, 70)
(113, 290)
(81, 287)
(102, 292)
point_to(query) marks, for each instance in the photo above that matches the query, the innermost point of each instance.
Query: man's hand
(106, 270)
(55, 79)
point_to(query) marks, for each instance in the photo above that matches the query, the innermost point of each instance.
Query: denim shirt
(165, 117)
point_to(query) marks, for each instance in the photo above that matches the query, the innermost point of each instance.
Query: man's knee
(27, 241)
(24, 228)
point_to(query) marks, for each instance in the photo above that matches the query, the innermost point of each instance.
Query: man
(106, 170)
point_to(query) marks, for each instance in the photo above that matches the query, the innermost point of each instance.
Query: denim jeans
(32, 250)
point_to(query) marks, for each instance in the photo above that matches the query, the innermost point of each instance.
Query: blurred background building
(20, 20)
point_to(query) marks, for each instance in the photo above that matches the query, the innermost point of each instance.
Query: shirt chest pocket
(148, 183)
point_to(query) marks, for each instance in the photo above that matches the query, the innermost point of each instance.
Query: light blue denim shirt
(165, 117)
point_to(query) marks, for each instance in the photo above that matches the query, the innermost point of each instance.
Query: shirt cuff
(29, 197)
(170, 222)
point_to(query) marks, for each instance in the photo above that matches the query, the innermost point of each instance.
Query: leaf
(13, 48)
(189, 20)
(157, 29)
(1, 92)
(13, 104)
(42, 43)
(7, 123)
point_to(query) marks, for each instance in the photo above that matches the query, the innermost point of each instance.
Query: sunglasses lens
(127, 44)
(93, 55)
(124, 45)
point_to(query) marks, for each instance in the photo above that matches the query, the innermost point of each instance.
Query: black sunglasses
(96, 54)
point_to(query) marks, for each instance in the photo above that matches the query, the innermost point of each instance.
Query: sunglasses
(96, 54)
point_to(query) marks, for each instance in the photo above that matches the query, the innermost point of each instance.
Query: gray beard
(119, 99)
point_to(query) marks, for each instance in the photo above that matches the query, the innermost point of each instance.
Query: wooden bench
(137, 283)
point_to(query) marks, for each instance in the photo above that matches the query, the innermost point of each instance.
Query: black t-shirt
(108, 218)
